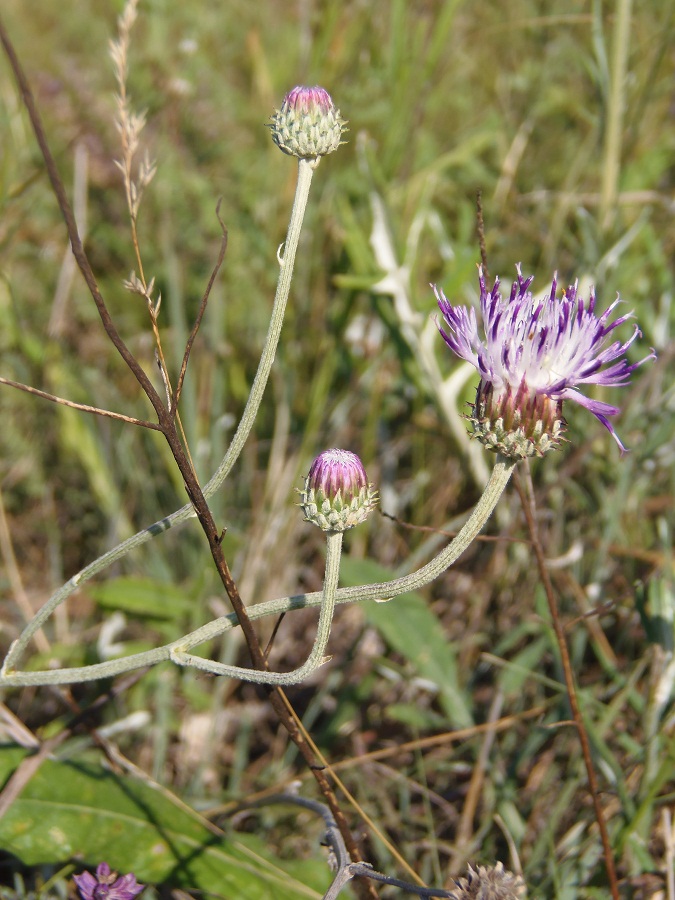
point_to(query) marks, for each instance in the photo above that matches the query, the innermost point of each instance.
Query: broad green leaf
(407, 624)
(81, 811)
(142, 597)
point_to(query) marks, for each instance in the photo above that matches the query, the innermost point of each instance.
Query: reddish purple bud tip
(308, 125)
(309, 100)
(337, 495)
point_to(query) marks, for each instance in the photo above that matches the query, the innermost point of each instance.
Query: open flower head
(337, 495)
(308, 125)
(107, 885)
(532, 355)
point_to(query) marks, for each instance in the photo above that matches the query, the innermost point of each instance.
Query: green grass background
(443, 99)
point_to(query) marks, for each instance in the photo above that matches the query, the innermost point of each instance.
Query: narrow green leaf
(407, 624)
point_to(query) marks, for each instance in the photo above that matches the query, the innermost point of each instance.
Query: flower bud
(337, 495)
(308, 125)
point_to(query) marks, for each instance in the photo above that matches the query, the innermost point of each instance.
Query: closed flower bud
(337, 495)
(308, 125)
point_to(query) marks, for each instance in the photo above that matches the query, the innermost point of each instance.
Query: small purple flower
(534, 355)
(107, 885)
(337, 495)
(308, 125)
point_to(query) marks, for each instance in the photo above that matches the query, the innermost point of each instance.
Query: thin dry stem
(73, 232)
(200, 314)
(351, 799)
(83, 407)
(526, 494)
(168, 427)
(130, 125)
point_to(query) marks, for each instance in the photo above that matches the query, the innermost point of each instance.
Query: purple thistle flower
(534, 355)
(337, 495)
(107, 885)
(308, 125)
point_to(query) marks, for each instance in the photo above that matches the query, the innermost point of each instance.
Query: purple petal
(551, 346)
(125, 888)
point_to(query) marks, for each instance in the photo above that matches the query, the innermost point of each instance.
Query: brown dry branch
(200, 314)
(82, 407)
(71, 225)
(167, 426)
(526, 494)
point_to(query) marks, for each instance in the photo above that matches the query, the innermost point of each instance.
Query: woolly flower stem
(315, 659)
(18, 648)
(381, 591)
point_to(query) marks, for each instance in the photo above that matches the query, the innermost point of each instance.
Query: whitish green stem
(286, 262)
(305, 171)
(381, 591)
(315, 658)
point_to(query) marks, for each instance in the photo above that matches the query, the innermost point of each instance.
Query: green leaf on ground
(142, 597)
(410, 628)
(79, 810)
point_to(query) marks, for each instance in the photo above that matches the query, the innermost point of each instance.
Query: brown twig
(277, 697)
(432, 529)
(130, 420)
(328, 769)
(445, 739)
(526, 494)
(200, 313)
(167, 425)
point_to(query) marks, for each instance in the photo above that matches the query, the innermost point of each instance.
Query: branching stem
(315, 658)
(82, 407)
(379, 591)
(71, 225)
